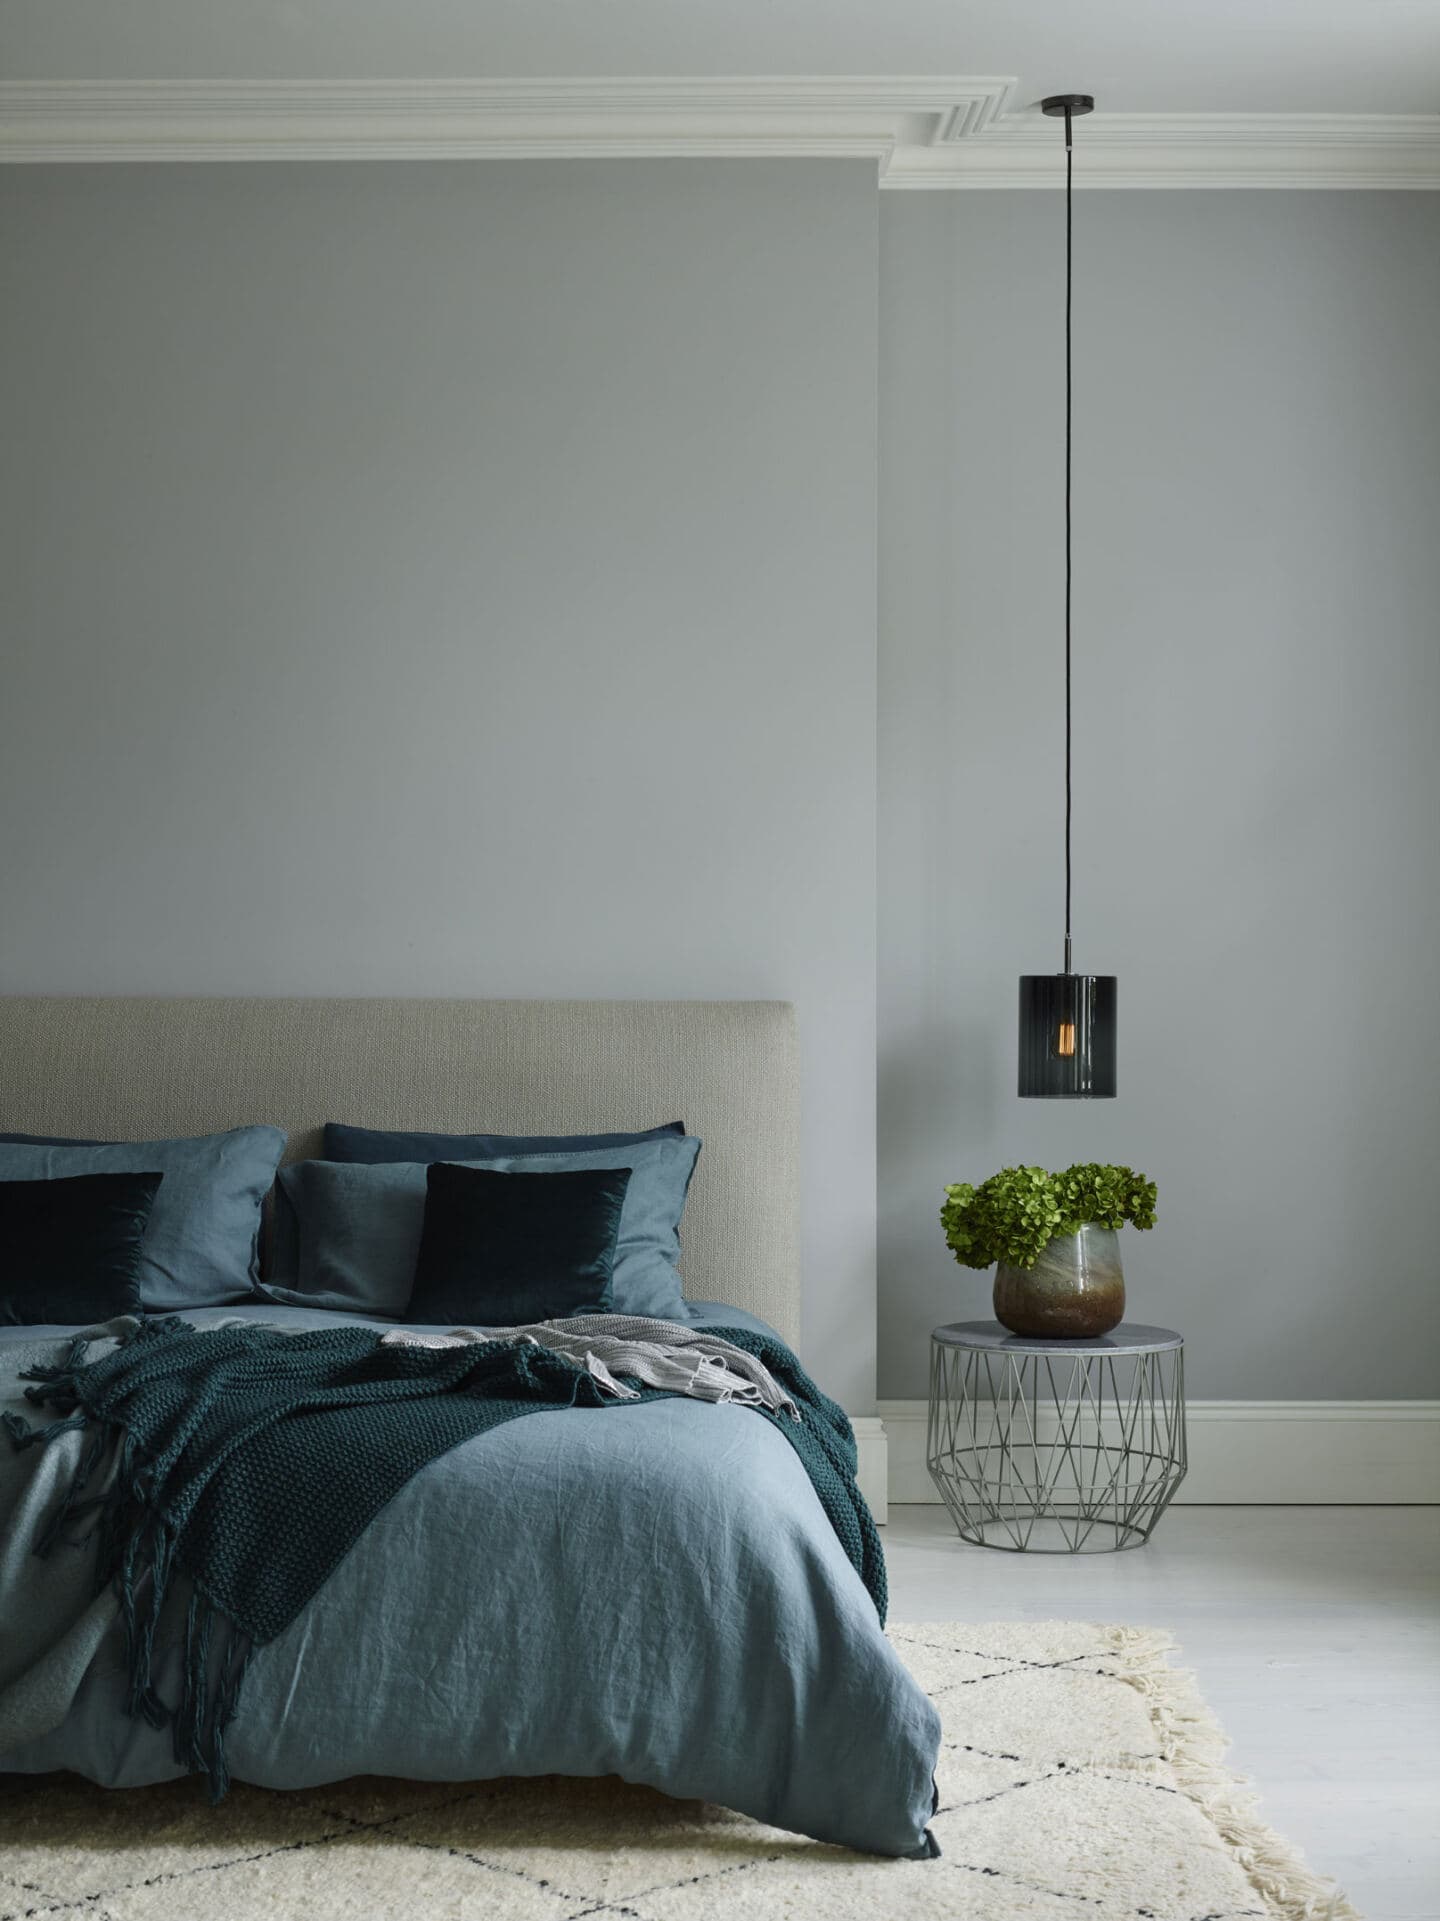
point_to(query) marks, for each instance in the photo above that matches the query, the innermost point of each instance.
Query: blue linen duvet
(658, 1596)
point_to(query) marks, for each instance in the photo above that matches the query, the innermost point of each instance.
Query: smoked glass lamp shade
(1067, 1036)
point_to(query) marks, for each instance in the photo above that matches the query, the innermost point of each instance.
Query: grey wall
(1257, 782)
(429, 580)
(461, 580)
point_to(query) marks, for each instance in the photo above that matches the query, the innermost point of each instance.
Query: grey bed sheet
(653, 1592)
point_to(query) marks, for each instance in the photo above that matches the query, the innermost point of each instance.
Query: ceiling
(1136, 56)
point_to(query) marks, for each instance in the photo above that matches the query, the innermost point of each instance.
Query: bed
(655, 1594)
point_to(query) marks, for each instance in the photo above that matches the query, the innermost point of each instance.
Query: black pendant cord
(1069, 797)
(1067, 1020)
(1068, 104)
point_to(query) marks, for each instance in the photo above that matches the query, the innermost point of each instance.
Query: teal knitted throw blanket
(239, 1465)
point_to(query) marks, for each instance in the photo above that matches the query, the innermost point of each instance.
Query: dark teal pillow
(352, 1233)
(70, 1249)
(369, 1146)
(499, 1250)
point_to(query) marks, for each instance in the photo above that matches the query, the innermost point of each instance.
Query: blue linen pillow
(201, 1243)
(366, 1146)
(346, 1237)
(70, 1249)
(357, 1227)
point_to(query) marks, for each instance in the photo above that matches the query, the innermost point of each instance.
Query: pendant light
(1067, 1020)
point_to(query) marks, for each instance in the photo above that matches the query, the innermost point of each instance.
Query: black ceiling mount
(1056, 104)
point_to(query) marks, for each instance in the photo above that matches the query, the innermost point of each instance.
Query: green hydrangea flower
(1012, 1216)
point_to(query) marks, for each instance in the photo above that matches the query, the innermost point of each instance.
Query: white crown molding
(921, 133)
(478, 119)
(1169, 150)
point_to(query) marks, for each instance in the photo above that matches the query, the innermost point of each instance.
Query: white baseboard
(872, 1473)
(1256, 1453)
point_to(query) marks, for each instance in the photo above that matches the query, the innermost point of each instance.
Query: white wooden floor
(1316, 1636)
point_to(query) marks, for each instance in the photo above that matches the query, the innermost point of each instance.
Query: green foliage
(1012, 1216)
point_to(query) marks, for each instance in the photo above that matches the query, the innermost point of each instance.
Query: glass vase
(1075, 1291)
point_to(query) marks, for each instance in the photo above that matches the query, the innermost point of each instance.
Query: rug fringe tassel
(1194, 1744)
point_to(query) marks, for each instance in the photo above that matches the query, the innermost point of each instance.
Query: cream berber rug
(1082, 1779)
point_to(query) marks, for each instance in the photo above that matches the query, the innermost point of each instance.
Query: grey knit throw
(663, 1354)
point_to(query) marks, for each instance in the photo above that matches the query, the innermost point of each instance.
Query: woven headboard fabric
(135, 1068)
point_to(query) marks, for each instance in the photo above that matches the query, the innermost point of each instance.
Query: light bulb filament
(1065, 1040)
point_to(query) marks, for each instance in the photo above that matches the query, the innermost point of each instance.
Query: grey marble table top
(1131, 1337)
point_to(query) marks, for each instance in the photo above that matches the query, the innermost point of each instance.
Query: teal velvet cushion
(352, 1237)
(201, 1243)
(69, 1249)
(500, 1250)
(364, 1146)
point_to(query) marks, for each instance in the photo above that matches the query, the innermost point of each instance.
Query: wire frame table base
(1054, 1448)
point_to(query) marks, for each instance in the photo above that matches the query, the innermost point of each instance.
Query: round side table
(1056, 1447)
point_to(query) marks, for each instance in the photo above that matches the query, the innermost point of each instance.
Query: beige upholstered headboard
(146, 1069)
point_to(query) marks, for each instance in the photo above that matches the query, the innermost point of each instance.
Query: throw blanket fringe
(135, 1552)
(226, 1472)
